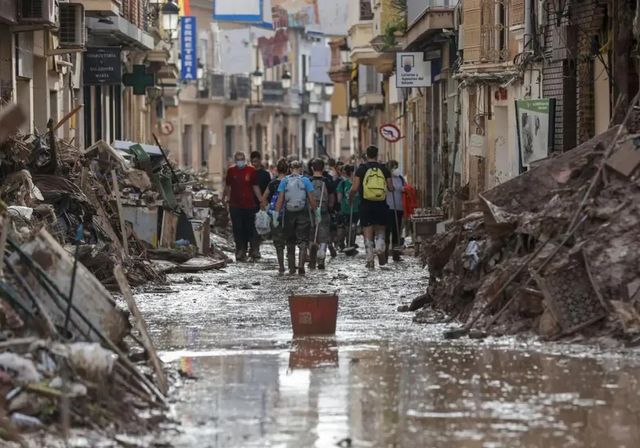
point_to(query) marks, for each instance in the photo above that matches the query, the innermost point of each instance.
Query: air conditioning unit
(38, 12)
(71, 32)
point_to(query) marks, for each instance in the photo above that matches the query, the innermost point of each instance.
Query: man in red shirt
(242, 192)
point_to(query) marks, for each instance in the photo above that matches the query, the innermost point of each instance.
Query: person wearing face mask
(395, 213)
(242, 193)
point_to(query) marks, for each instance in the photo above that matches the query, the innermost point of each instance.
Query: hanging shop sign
(102, 65)
(535, 120)
(390, 132)
(412, 70)
(188, 54)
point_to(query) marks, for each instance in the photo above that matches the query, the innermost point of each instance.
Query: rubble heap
(74, 225)
(553, 250)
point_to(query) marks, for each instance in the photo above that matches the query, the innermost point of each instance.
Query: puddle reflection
(310, 352)
(319, 393)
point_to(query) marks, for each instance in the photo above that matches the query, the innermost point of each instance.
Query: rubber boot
(280, 256)
(291, 259)
(370, 253)
(381, 249)
(332, 250)
(313, 256)
(303, 259)
(322, 256)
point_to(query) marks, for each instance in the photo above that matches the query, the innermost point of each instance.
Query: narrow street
(382, 381)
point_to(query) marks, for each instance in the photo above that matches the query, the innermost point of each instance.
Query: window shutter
(472, 21)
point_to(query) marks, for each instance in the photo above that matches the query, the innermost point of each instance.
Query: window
(228, 142)
(259, 138)
(366, 12)
(205, 141)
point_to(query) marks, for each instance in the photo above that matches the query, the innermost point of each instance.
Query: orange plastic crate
(313, 314)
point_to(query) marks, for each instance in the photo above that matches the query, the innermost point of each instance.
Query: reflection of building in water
(374, 398)
(311, 399)
(242, 393)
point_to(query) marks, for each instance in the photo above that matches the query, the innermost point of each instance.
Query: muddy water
(382, 381)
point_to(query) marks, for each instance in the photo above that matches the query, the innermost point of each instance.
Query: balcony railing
(417, 8)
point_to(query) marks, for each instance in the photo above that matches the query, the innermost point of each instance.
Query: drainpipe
(528, 26)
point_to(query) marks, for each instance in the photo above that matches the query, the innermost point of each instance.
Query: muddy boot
(241, 256)
(302, 260)
(291, 259)
(396, 254)
(322, 256)
(254, 250)
(313, 256)
(333, 251)
(280, 256)
(380, 249)
(370, 253)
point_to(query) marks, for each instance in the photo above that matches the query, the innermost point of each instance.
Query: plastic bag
(263, 222)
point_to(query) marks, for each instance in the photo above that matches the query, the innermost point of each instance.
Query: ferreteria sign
(412, 70)
(102, 65)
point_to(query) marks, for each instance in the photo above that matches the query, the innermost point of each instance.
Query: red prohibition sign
(390, 132)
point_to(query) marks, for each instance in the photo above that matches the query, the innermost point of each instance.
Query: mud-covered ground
(382, 381)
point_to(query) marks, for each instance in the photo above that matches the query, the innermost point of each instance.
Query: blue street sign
(188, 54)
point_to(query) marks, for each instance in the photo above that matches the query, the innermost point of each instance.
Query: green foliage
(389, 36)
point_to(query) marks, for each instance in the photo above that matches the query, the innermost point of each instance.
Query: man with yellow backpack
(373, 180)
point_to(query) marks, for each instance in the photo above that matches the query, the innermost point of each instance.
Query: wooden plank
(141, 326)
(169, 229)
(90, 297)
(67, 117)
(123, 225)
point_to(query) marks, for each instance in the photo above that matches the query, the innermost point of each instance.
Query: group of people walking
(317, 210)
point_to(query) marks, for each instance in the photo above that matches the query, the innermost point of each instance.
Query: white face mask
(241, 163)
(396, 172)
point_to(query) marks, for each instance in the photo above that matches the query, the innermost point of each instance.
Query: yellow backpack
(374, 185)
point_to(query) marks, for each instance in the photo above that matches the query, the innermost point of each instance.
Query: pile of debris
(122, 204)
(68, 354)
(553, 251)
(74, 225)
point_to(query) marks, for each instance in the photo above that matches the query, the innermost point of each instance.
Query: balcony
(427, 18)
(272, 92)
(340, 70)
(369, 87)
(360, 36)
(101, 7)
(117, 23)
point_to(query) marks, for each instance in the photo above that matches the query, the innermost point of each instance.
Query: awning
(118, 31)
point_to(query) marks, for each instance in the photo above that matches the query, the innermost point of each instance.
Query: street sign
(412, 70)
(390, 133)
(102, 65)
(188, 54)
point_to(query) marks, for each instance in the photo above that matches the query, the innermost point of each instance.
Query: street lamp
(170, 16)
(256, 77)
(309, 86)
(286, 80)
(317, 89)
(329, 89)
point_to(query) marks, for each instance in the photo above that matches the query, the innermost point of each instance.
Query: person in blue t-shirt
(297, 199)
(269, 200)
